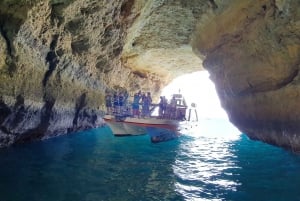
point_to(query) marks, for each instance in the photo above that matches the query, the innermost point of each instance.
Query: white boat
(124, 129)
(159, 128)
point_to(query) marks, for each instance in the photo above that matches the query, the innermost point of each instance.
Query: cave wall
(58, 58)
(159, 39)
(252, 51)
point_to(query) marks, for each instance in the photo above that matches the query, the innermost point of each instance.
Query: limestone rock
(58, 58)
(159, 39)
(253, 54)
(3, 49)
(54, 82)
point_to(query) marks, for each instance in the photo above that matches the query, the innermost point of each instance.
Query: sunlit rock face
(158, 42)
(252, 50)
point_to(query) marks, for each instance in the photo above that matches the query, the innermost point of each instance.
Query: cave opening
(199, 89)
(213, 120)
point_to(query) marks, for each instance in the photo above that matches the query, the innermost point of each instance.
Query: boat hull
(123, 129)
(145, 122)
(159, 130)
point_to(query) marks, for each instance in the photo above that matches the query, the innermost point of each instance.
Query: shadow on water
(91, 165)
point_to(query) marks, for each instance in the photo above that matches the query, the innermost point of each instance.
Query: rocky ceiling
(59, 57)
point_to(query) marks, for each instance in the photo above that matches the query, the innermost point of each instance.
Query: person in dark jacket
(146, 102)
(108, 103)
(135, 104)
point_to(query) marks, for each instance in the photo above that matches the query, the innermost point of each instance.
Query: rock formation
(252, 51)
(58, 58)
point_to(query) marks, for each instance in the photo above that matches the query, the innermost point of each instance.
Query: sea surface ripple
(212, 160)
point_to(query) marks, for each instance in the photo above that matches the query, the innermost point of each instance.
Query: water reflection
(205, 163)
(211, 161)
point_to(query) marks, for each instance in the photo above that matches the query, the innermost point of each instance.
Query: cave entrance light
(197, 88)
(212, 118)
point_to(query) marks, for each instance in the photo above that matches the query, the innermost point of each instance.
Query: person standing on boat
(126, 107)
(116, 103)
(173, 104)
(108, 103)
(143, 97)
(149, 98)
(135, 104)
(146, 100)
(162, 107)
(121, 100)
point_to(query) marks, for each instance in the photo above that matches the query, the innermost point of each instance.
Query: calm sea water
(211, 161)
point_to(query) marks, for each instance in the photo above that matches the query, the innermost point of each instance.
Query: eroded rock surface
(55, 58)
(253, 54)
(59, 57)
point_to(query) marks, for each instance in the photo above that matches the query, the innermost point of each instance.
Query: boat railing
(177, 111)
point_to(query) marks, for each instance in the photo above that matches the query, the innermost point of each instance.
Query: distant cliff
(58, 58)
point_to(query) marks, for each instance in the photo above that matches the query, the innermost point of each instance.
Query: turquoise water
(211, 161)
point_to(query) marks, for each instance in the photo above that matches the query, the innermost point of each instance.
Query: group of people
(118, 104)
(175, 109)
(143, 99)
(115, 103)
